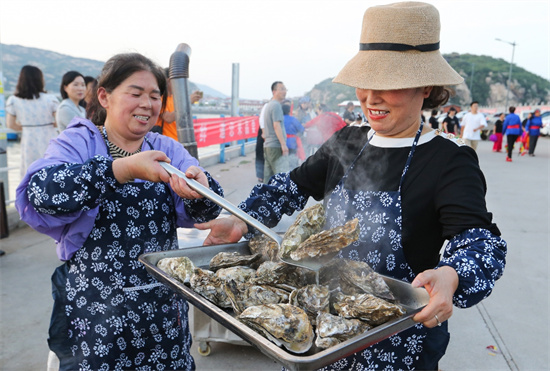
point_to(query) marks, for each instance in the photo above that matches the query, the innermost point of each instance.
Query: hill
(487, 84)
(54, 65)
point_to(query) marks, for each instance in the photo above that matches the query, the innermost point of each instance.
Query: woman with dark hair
(412, 189)
(73, 91)
(31, 111)
(101, 193)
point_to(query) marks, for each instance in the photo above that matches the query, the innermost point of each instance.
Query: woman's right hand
(144, 165)
(223, 230)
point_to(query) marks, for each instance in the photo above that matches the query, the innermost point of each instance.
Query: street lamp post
(509, 73)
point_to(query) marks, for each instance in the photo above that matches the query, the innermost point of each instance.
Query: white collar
(385, 142)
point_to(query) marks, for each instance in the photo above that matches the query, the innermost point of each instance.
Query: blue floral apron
(379, 244)
(109, 313)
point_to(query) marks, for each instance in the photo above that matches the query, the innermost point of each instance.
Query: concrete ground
(514, 319)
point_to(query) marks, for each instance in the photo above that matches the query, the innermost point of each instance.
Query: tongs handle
(220, 201)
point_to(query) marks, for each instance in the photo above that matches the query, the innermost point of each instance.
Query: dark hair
(30, 83)
(452, 109)
(286, 109)
(89, 79)
(512, 109)
(438, 97)
(115, 71)
(274, 85)
(324, 108)
(474, 102)
(434, 112)
(350, 104)
(66, 80)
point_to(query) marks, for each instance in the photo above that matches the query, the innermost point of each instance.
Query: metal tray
(413, 299)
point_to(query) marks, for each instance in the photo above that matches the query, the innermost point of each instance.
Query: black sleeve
(460, 196)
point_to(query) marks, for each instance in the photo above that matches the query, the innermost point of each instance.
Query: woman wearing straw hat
(411, 188)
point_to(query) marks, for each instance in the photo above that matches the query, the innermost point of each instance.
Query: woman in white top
(32, 111)
(73, 90)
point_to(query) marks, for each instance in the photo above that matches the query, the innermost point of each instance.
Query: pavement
(507, 331)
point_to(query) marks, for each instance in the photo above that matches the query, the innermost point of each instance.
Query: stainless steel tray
(413, 299)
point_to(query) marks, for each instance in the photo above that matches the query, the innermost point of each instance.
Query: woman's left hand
(179, 185)
(441, 284)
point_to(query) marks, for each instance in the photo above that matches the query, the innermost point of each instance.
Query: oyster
(284, 324)
(329, 241)
(180, 268)
(210, 286)
(231, 259)
(313, 299)
(243, 295)
(360, 275)
(239, 274)
(265, 246)
(309, 221)
(332, 330)
(281, 275)
(367, 307)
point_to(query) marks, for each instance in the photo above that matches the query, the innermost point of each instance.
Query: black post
(4, 231)
(179, 74)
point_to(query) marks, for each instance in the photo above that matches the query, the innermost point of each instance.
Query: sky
(299, 42)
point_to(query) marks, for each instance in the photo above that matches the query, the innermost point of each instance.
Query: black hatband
(399, 47)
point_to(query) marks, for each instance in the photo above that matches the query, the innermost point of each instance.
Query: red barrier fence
(220, 130)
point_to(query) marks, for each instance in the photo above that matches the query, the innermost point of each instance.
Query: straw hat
(399, 49)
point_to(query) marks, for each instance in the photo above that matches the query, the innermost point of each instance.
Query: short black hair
(452, 109)
(286, 109)
(434, 112)
(89, 79)
(512, 109)
(274, 85)
(474, 102)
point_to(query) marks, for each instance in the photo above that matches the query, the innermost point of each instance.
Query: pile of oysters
(284, 302)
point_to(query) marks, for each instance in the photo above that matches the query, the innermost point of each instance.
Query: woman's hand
(441, 284)
(144, 165)
(223, 230)
(179, 185)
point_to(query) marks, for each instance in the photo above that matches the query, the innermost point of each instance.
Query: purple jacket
(78, 143)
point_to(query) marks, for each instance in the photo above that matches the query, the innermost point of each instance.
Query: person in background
(471, 125)
(305, 112)
(412, 189)
(101, 194)
(524, 122)
(275, 149)
(349, 116)
(513, 129)
(73, 91)
(32, 111)
(450, 123)
(434, 124)
(91, 83)
(166, 123)
(260, 159)
(533, 129)
(321, 128)
(497, 130)
(294, 131)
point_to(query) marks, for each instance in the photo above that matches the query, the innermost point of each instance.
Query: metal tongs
(314, 264)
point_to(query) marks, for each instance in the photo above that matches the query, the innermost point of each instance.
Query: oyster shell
(329, 241)
(265, 246)
(313, 299)
(281, 275)
(181, 268)
(332, 330)
(239, 274)
(231, 259)
(309, 221)
(367, 307)
(210, 286)
(360, 275)
(284, 324)
(243, 295)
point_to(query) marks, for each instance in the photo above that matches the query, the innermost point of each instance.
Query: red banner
(224, 129)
